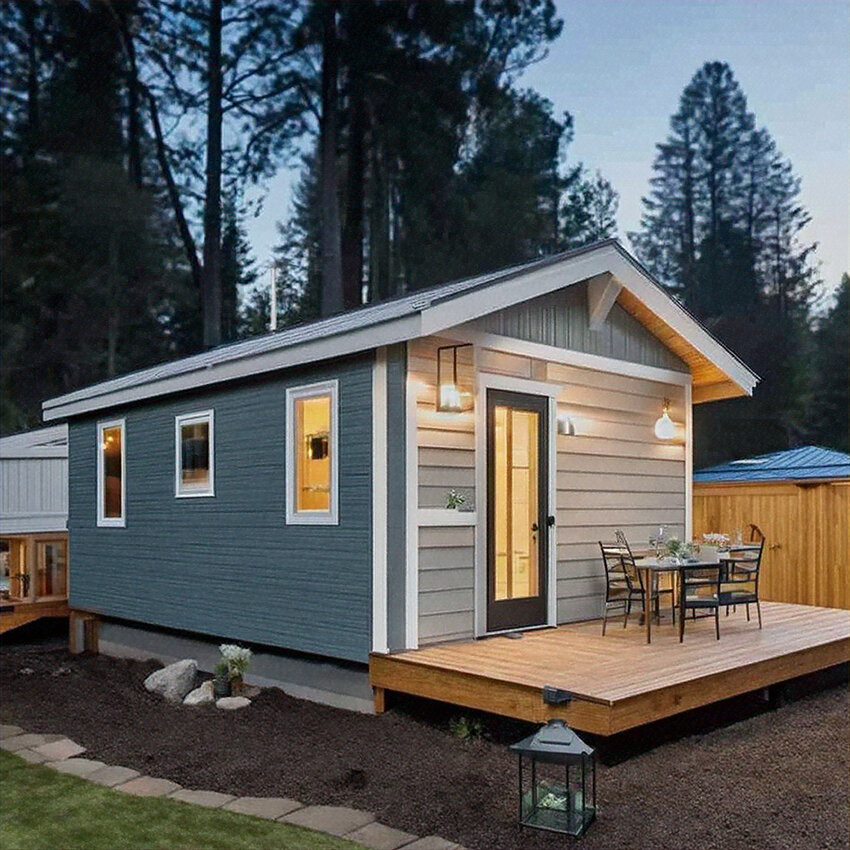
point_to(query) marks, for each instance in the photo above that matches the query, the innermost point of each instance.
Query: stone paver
(30, 741)
(31, 756)
(7, 731)
(75, 766)
(148, 786)
(270, 808)
(59, 750)
(432, 842)
(112, 774)
(380, 837)
(337, 820)
(207, 799)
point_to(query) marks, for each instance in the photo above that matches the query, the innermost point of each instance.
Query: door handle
(534, 526)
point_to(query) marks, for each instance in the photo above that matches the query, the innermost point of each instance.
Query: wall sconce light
(450, 397)
(665, 429)
(566, 426)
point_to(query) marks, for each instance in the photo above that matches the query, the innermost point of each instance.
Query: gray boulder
(174, 681)
(200, 696)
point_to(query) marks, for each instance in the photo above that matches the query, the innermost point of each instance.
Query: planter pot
(221, 688)
(236, 685)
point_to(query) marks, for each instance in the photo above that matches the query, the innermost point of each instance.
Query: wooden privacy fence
(807, 526)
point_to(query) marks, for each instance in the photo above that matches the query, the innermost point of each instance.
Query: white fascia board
(351, 342)
(667, 309)
(523, 287)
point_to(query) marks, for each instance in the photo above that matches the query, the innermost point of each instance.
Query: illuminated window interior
(195, 456)
(112, 472)
(52, 568)
(516, 502)
(313, 458)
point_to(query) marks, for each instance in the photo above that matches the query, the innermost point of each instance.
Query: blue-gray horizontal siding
(560, 319)
(229, 565)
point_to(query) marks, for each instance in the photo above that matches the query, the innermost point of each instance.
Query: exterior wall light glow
(665, 429)
(450, 397)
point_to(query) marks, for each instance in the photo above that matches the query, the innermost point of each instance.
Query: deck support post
(83, 632)
(379, 695)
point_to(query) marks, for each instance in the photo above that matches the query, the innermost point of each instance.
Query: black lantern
(450, 397)
(557, 780)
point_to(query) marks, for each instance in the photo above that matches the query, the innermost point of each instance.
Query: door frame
(550, 391)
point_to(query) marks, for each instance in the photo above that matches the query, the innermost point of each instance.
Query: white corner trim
(379, 502)
(602, 292)
(567, 356)
(411, 468)
(181, 492)
(445, 518)
(689, 463)
(331, 516)
(105, 521)
(552, 589)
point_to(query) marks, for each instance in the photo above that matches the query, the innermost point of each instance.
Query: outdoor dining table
(652, 565)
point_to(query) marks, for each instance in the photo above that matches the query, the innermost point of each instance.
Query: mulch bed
(780, 779)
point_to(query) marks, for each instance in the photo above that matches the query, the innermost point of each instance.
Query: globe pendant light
(665, 429)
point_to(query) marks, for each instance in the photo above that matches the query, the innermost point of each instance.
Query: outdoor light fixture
(566, 426)
(557, 780)
(450, 397)
(665, 429)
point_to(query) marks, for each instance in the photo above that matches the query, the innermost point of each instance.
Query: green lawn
(44, 809)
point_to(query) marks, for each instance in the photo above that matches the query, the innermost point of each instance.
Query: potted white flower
(238, 660)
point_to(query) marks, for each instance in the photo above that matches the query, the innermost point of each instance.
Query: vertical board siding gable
(229, 565)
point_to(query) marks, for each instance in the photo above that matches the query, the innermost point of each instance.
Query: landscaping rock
(10, 731)
(75, 766)
(60, 750)
(174, 681)
(112, 775)
(380, 837)
(200, 696)
(148, 786)
(207, 799)
(270, 808)
(337, 820)
(232, 703)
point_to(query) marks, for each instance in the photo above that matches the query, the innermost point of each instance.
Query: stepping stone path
(63, 755)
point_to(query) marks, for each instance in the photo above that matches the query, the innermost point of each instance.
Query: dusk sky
(620, 66)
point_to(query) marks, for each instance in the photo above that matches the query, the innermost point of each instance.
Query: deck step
(25, 613)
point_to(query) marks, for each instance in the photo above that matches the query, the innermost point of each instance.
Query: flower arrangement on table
(681, 551)
(714, 539)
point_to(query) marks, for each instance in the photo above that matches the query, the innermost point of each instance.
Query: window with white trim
(194, 455)
(111, 485)
(312, 456)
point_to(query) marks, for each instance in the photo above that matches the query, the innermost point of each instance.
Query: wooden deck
(16, 614)
(618, 682)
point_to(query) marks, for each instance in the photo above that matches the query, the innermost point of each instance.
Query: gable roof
(717, 373)
(800, 464)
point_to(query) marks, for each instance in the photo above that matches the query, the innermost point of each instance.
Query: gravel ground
(779, 779)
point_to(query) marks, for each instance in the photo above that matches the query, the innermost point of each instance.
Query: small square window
(111, 488)
(194, 455)
(311, 430)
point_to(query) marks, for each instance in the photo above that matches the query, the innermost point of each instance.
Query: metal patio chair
(699, 590)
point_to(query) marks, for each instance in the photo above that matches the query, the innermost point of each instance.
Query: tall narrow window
(194, 455)
(311, 481)
(110, 473)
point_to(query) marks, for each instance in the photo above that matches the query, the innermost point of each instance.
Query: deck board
(619, 681)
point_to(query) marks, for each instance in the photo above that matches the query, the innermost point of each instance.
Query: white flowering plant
(237, 658)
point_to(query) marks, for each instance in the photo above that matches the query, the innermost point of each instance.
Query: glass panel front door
(517, 509)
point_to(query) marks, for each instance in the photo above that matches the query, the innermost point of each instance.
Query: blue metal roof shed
(805, 463)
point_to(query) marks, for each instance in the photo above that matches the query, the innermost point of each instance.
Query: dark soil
(780, 779)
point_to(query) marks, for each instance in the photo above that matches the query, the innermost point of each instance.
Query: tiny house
(800, 500)
(436, 467)
(33, 523)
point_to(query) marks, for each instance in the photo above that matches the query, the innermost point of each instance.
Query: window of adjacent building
(194, 454)
(110, 473)
(312, 454)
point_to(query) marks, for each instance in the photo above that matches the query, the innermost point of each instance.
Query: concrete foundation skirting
(63, 755)
(339, 684)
